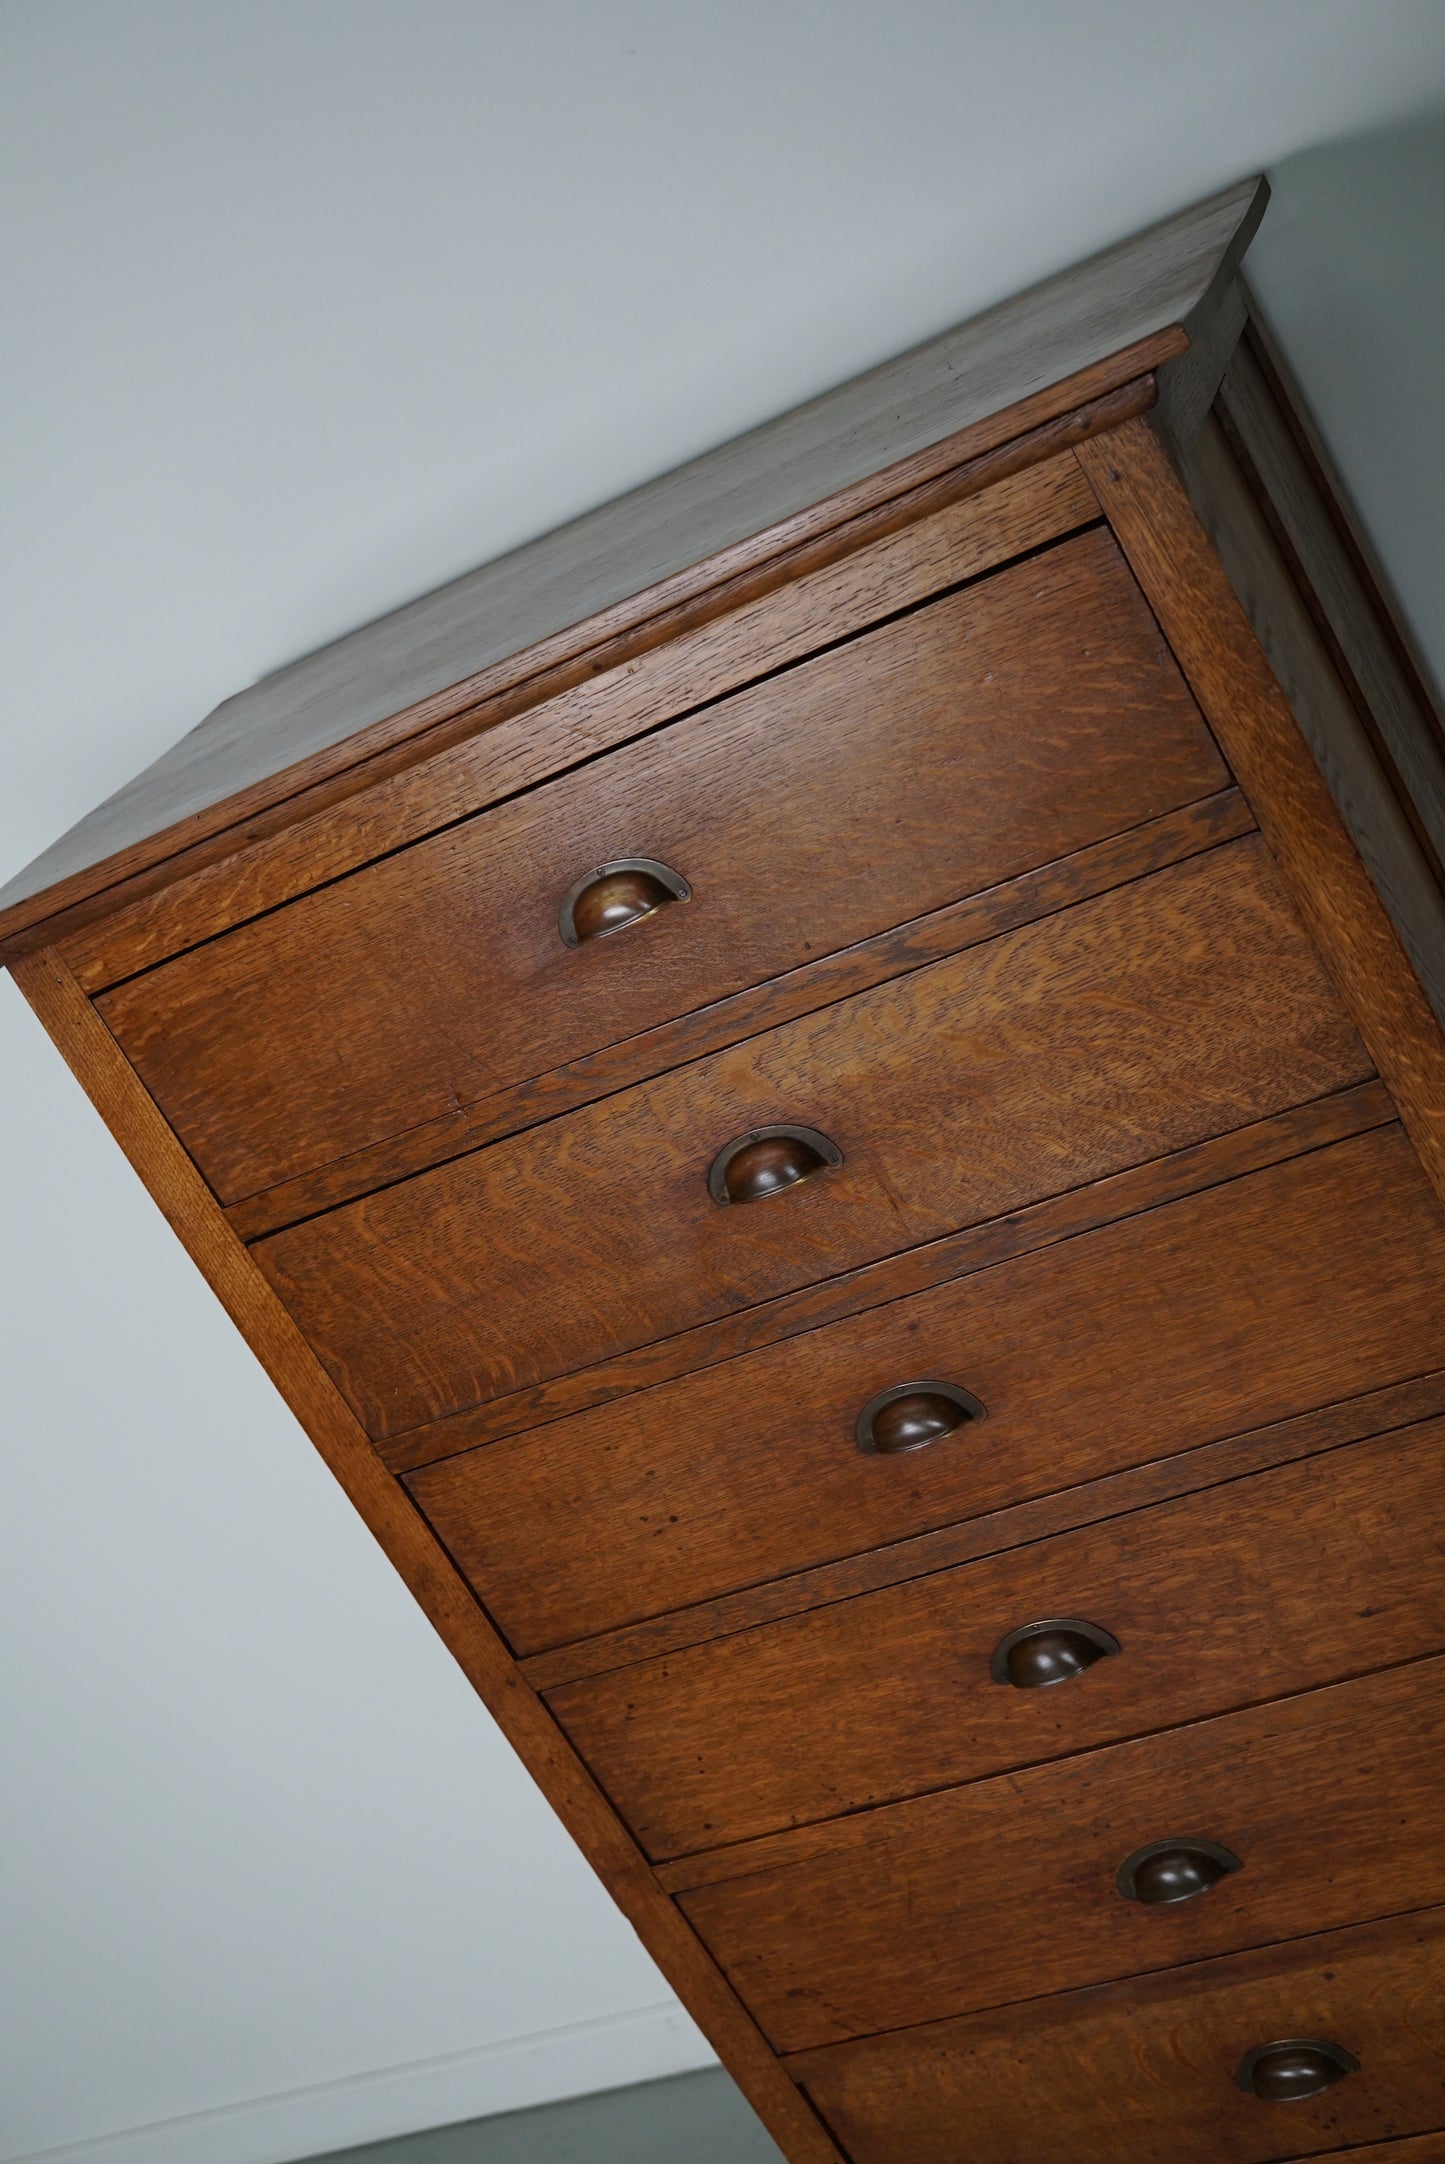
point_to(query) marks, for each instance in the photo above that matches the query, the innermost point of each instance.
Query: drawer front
(1331, 1804)
(1181, 1006)
(1011, 723)
(1279, 1583)
(1318, 1279)
(1145, 2073)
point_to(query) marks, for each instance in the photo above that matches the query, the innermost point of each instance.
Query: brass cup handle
(1163, 1872)
(614, 895)
(1052, 1651)
(767, 1160)
(1293, 2068)
(910, 1416)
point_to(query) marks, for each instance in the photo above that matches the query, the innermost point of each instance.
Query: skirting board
(610, 2053)
(700, 2118)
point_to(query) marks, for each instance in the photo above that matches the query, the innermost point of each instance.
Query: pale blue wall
(1349, 266)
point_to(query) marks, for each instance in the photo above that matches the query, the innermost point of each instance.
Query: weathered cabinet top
(1093, 329)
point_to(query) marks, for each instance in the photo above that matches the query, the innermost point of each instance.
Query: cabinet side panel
(1368, 721)
(1205, 619)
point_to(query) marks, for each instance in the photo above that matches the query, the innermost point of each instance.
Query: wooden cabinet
(1223, 1311)
(825, 1093)
(1254, 1589)
(1137, 1023)
(1256, 1827)
(875, 782)
(1158, 2071)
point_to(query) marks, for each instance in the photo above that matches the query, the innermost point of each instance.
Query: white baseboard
(610, 2053)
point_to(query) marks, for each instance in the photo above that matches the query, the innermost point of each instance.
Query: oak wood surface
(1091, 330)
(1187, 1472)
(1093, 399)
(1041, 1224)
(911, 945)
(1212, 638)
(1143, 2073)
(1181, 1006)
(1253, 1302)
(1333, 1802)
(1296, 1577)
(1016, 721)
(644, 656)
(967, 522)
(433, 1580)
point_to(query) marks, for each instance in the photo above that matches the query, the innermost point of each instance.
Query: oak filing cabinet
(824, 1091)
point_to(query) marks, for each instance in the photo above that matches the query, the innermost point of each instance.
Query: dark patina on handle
(1293, 2068)
(1163, 1872)
(1054, 1650)
(766, 1160)
(615, 895)
(910, 1416)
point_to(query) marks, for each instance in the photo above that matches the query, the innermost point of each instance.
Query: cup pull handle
(615, 895)
(767, 1160)
(1293, 2068)
(1052, 1651)
(1164, 1872)
(910, 1416)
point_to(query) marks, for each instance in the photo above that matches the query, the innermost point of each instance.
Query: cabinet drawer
(1008, 724)
(1331, 1804)
(1158, 1014)
(1278, 1583)
(1314, 1280)
(1145, 2073)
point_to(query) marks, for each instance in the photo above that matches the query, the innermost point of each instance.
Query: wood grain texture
(1186, 1472)
(768, 571)
(191, 1211)
(1006, 1890)
(1296, 1577)
(907, 946)
(1093, 400)
(1253, 1302)
(917, 1269)
(1078, 336)
(1182, 1006)
(1143, 2073)
(966, 523)
(1019, 720)
(1211, 635)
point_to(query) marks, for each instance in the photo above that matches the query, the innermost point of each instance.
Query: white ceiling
(310, 306)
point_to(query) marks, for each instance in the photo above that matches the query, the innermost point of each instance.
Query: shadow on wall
(699, 2118)
(1349, 267)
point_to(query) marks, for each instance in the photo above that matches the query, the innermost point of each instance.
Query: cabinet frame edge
(156, 1155)
(1220, 649)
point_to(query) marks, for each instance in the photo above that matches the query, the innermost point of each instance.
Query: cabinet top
(1075, 337)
